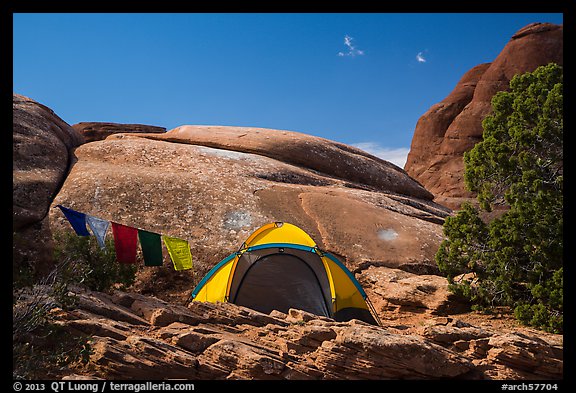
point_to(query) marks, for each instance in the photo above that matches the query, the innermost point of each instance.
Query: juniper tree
(515, 259)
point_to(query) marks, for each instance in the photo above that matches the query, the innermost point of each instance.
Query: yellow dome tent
(280, 267)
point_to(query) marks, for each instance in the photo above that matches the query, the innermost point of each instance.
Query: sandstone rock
(41, 148)
(321, 155)
(215, 198)
(478, 348)
(102, 304)
(42, 145)
(454, 126)
(305, 339)
(95, 131)
(449, 335)
(424, 161)
(101, 327)
(76, 377)
(144, 358)
(528, 354)
(395, 290)
(362, 352)
(195, 342)
(246, 361)
(300, 316)
(162, 314)
(246, 348)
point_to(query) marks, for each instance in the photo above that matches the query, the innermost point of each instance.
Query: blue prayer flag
(76, 219)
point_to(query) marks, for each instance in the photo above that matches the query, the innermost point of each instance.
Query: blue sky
(360, 79)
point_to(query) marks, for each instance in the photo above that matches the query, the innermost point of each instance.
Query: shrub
(41, 346)
(90, 265)
(515, 259)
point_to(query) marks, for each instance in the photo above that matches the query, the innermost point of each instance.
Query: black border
(431, 6)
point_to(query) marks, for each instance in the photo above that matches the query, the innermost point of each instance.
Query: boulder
(215, 198)
(42, 153)
(327, 157)
(95, 131)
(398, 291)
(42, 146)
(454, 126)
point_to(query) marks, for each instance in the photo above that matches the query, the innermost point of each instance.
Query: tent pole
(373, 310)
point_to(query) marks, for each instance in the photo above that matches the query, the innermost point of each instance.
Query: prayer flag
(76, 219)
(179, 251)
(125, 242)
(99, 227)
(151, 247)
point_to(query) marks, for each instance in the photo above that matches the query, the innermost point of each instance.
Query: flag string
(126, 240)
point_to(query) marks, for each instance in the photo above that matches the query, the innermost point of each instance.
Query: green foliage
(52, 349)
(41, 346)
(91, 266)
(516, 259)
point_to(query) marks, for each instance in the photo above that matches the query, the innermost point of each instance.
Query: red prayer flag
(125, 242)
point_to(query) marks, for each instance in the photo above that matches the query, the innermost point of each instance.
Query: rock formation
(141, 337)
(318, 154)
(454, 126)
(215, 197)
(96, 131)
(42, 145)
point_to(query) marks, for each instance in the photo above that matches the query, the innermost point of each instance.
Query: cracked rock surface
(213, 186)
(215, 197)
(141, 337)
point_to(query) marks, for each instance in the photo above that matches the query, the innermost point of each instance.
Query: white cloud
(396, 156)
(420, 57)
(352, 50)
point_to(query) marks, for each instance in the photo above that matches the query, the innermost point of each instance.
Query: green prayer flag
(179, 251)
(151, 247)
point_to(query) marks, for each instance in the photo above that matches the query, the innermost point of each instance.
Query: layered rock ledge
(140, 337)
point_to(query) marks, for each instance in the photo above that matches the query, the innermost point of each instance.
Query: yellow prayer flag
(179, 251)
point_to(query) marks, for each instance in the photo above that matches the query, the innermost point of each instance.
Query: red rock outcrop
(136, 337)
(96, 131)
(41, 148)
(319, 154)
(215, 198)
(454, 126)
(42, 145)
